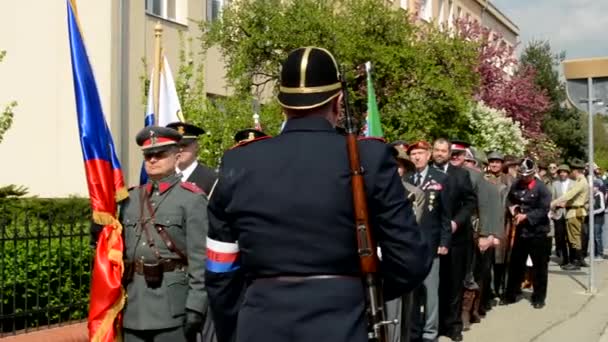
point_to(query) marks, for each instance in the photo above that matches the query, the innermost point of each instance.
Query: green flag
(373, 125)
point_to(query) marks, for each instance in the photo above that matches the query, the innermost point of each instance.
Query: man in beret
(558, 188)
(574, 201)
(435, 223)
(164, 225)
(288, 202)
(190, 168)
(448, 157)
(401, 307)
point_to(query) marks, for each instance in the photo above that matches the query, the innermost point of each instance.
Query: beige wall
(41, 150)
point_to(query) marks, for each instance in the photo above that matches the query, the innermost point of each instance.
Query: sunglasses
(156, 155)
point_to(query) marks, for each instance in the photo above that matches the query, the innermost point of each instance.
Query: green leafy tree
(561, 124)
(6, 117)
(424, 78)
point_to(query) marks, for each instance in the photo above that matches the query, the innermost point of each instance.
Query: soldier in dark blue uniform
(282, 222)
(529, 201)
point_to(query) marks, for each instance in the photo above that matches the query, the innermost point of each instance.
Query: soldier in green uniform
(165, 227)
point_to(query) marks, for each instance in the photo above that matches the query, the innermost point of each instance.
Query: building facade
(36, 72)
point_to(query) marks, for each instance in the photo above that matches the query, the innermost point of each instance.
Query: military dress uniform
(165, 225)
(532, 199)
(435, 224)
(401, 308)
(575, 201)
(282, 223)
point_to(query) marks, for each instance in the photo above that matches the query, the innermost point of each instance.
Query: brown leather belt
(299, 279)
(577, 207)
(168, 265)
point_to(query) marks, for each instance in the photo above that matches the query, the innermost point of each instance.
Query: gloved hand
(194, 325)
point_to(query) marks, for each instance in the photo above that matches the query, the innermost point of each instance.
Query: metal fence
(45, 263)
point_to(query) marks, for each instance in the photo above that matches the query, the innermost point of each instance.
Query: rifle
(509, 246)
(367, 250)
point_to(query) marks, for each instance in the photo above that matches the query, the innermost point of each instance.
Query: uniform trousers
(400, 309)
(314, 310)
(561, 238)
(425, 314)
(162, 335)
(574, 227)
(453, 267)
(536, 247)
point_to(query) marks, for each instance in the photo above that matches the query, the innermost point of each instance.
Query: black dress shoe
(538, 305)
(507, 300)
(571, 267)
(456, 337)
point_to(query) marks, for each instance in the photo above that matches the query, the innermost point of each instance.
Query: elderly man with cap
(297, 242)
(529, 201)
(165, 227)
(558, 214)
(190, 168)
(435, 223)
(453, 265)
(503, 181)
(487, 223)
(574, 201)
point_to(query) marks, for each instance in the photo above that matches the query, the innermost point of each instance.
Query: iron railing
(45, 263)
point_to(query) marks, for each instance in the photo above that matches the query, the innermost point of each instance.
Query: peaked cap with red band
(418, 145)
(460, 146)
(156, 138)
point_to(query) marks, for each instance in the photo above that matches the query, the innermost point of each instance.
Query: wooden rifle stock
(366, 247)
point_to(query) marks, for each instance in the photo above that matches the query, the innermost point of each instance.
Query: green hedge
(45, 261)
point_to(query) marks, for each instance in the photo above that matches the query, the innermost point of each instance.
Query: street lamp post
(582, 76)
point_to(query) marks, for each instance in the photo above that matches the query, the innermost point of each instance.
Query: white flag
(169, 107)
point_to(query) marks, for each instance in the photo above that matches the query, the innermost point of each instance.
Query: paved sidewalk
(570, 313)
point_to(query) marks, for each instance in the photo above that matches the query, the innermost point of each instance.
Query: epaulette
(247, 142)
(192, 187)
(382, 140)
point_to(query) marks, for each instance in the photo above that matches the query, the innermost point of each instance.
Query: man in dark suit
(435, 224)
(453, 265)
(204, 178)
(190, 168)
(297, 242)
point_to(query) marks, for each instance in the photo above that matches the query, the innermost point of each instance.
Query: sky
(578, 27)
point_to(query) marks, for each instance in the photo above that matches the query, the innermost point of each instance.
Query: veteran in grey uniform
(165, 227)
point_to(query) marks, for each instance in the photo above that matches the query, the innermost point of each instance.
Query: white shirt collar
(187, 171)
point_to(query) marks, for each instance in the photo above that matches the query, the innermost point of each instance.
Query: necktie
(417, 179)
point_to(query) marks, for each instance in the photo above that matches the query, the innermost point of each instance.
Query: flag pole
(158, 32)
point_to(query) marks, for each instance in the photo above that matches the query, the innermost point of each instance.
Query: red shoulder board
(373, 138)
(247, 142)
(191, 187)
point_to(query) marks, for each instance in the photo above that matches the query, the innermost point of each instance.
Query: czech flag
(106, 187)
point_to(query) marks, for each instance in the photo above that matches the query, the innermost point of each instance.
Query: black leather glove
(194, 325)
